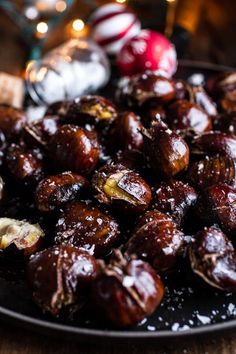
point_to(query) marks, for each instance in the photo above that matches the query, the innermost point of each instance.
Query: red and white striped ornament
(112, 25)
(149, 50)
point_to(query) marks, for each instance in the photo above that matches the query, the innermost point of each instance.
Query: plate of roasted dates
(118, 212)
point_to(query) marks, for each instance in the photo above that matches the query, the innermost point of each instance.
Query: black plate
(190, 307)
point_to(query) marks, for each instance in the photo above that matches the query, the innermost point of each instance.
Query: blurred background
(201, 30)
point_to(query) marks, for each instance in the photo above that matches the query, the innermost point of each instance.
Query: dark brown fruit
(20, 236)
(174, 198)
(188, 118)
(145, 87)
(226, 123)
(127, 132)
(213, 258)
(212, 170)
(60, 278)
(122, 188)
(166, 151)
(58, 108)
(87, 227)
(76, 149)
(41, 131)
(25, 165)
(217, 204)
(213, 143)
(92, 110)
(54, 191)
(12, 121)
(157, 241)
(125, 291)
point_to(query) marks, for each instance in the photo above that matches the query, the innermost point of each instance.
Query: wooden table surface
(17, 340)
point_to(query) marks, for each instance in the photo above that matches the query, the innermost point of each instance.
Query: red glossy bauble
(149, 50)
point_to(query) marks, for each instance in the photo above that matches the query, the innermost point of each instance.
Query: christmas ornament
(112, 25)
(149, 50)
(75, 68)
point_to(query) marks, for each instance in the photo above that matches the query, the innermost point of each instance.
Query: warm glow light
(170, 0)
(31, 12)
(60, 6)
(42, 27)
(78, 25)
(28, 64)
(121, 1)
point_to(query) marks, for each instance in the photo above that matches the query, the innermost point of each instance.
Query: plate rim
(37, 324)
(113, 334)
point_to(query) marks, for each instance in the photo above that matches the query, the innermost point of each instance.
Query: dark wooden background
(13, 339)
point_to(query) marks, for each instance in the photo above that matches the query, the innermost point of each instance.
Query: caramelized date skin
(54, 191)
(122, 188)
(125, 291)
(166, 151)
(212, 170)
(75, 149)
(40, 132)
(24, 165)
(88, 228)
(217, 204)
(60, 278)
(213, 258)
(12, 121)
(157, 241)
(226, 123)
(174, 198)
(188, 118)
(145, 87)
(213, 143)
(127, 131)
(96, 111)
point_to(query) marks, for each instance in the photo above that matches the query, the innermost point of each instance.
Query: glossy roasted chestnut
(12, 121)
(222, 85)
(145, 87)
(2, 189)
(25, 165)
(40, 132)
(3, 147)
(54, 191)
(226, 123)
(217, 205)
(188, 118)
(156, 240)
(88, 228)
(95, 111)
(212, 170)
(76, 149)
(213, 258)
(174, 198)
(127, 132)
(151, 112)
(166, 152)
(20, 237)
(122, 188)
(60, 278)
(126, 290)
(213, 143)
(58, 108)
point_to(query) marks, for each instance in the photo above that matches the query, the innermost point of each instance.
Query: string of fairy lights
(37, 17)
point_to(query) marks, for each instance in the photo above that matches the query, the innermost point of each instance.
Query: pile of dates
(100, 201)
